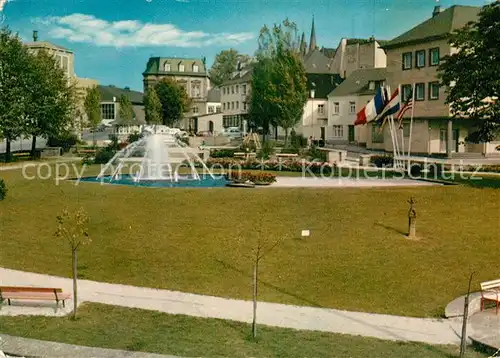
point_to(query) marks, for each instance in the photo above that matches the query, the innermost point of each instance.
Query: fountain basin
(185, 181)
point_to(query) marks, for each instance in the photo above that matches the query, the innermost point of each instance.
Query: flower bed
(274, 165)
(258, 178)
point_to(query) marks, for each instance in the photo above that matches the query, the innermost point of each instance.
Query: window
(108, 111)
(352, 107)
(232, 89)
(434, 56)
(195, 90)
(217, 109)
(232, 103)
(224, 106)
(237, 105)
(321, 108)
(167, 67)
(406, 130)
(377, 134)
(338, 131)
(245, 106)
(181, 68)
(434, 90)
(237, 88)
(195, 109)
(65, 64)
(195, 68)
(420, 92)
(244, 89)
(210, 109)
(407, 59)
(420, 59)
(336, 108)
(405, 92)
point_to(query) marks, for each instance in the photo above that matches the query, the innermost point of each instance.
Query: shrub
(102, 156)
(316, 154)
(222, 153)
(3, 190)
(88, 159)
(297, 141)
(381, 161)
(257, 177)
(267, 150)
(115, 143)
(290, 150)
(249, 146)
(134, 137)
(65, 141)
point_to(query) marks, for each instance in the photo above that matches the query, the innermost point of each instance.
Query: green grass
(149, 331)
(200, 240)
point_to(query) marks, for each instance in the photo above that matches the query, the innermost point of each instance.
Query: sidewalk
(36, 348)
(387, 327)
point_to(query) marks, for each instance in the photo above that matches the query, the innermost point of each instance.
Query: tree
(126, 111)
(72, 227)
(279, 84)
(152, 107)
(51, 99)
(92, 105)
(225, 63)
(14, 59)
(174, 100)
(471, 74)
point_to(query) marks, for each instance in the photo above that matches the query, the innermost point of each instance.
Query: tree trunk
(93, 137)
(75, 277)
(33, 146)
(286, 136)
(8, 156)
(255, 282)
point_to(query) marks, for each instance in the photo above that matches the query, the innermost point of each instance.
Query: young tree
(126, 111)
(51, 99)
(152, 107)
(471, 74)
(92, 105)
(14, 59)
(174, 100)
(72, 227)
(225, 63)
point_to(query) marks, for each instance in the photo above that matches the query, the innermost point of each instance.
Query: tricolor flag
(372, 109)
(407, 105)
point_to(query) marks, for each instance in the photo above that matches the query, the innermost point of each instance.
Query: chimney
(35, 36)
(437, 10)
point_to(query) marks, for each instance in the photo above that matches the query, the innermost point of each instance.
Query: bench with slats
(33, 293)
(490, 291)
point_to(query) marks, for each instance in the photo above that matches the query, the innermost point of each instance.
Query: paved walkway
(304, 318)
(345, 182)
(36, 348)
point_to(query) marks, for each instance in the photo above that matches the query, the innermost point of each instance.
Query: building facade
(235, 98)
(412, 60)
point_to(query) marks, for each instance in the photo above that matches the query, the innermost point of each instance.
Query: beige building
(235, 98)
(413, 58)
(345, 101)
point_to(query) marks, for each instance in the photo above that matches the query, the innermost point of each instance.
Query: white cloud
(133, 33)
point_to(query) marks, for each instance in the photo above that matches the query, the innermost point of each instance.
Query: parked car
(233, 132)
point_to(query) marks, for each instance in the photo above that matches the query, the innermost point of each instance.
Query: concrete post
(412, 219)
(449, 141)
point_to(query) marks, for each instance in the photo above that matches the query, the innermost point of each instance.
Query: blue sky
(113, 39)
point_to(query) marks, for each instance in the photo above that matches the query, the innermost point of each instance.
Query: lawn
(200, 240)
(149, 331)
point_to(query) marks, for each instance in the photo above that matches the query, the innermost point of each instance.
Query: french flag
(372, 109)
(392, 107)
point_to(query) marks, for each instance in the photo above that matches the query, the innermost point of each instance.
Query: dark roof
(324, 83)
(437, 27)
(108, 92)
(244, 75)
(139, 117)
(357, 82)
(213, 95)
(156, 65)
(317, 62)
(328, 52)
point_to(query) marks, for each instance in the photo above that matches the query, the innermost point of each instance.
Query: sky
(113, 39)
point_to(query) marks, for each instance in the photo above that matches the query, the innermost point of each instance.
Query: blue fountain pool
(206, 181)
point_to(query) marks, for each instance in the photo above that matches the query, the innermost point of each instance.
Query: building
(345, 101)
(110, 109)
(413, 58)
(209, 119)
(191, 74)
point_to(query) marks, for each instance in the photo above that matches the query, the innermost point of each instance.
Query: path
(387, 327)
(36, 348)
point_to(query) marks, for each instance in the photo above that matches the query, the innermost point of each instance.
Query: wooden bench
(87, 151)
(33, 293)
(286, 155)
(490, 291)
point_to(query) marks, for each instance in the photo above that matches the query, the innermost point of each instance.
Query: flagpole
(411, 121)
(391, 130)
(395, 134)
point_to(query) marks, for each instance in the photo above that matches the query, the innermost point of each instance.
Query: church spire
(312, 42)
(302, 47)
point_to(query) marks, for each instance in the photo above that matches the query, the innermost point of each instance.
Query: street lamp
(313, 92)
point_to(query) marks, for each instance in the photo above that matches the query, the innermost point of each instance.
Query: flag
(407, 105)
(392, 107)
(372, 109)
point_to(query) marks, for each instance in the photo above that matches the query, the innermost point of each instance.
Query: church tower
(312, 41)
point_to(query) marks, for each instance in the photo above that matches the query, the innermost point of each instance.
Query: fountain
(156, 160)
